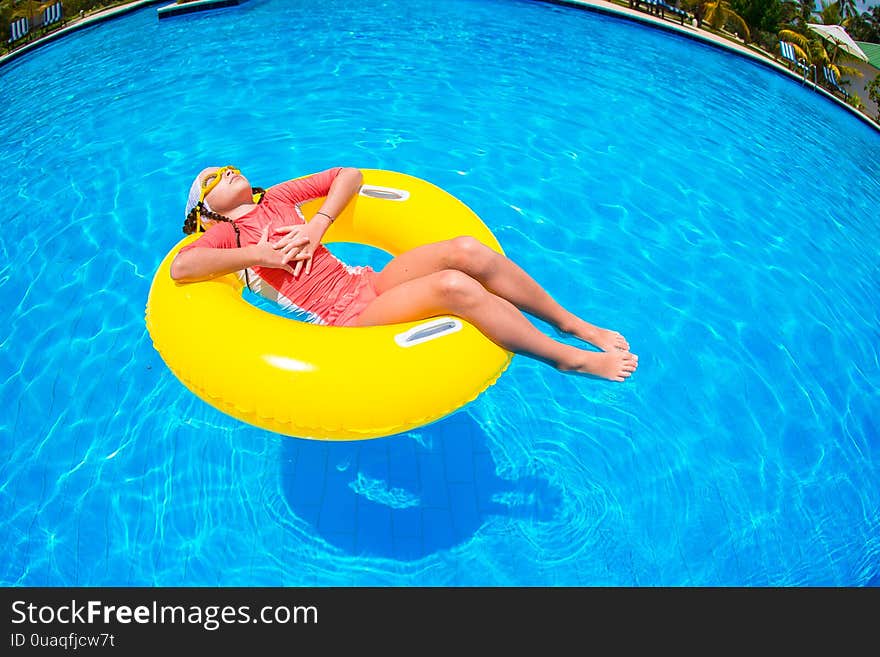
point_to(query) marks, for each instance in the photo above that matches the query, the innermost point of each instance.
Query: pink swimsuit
(332, 293)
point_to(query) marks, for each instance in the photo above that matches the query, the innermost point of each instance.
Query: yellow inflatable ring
(323, 382)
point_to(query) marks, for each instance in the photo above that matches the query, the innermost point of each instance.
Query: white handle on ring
(432, 330)
(384, 193)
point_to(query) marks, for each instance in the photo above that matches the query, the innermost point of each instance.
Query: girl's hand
(273, 255)
(312, 232)
(292, 244)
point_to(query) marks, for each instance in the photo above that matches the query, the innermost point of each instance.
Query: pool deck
(604, 6)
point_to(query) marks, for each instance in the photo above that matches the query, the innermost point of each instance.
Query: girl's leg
(453, 292)
(499, 275)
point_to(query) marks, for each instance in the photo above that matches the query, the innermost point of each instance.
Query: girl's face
(228, 188)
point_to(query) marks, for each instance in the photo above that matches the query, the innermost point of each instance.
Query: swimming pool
(716, 213)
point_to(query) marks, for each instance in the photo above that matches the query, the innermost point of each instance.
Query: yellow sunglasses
(209, 183)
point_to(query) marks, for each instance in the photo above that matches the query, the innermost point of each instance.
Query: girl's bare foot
(616, 365)
(604, 339)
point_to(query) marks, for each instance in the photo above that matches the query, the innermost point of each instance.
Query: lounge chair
(831, 79)
(650, 4)
(788, 54)
(659, 7)
(18, 29)
(52, 14)
(664, 6)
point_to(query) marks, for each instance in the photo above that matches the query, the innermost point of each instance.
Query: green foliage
(865, 27)
(796, 38)
(873, 89)
(720, 15)
(849, 71)
(759, 15)
(767, 41)
(29, 8)
(847, 8)
(797, 13)
(804, 47)
(73, 7)
(830, 14)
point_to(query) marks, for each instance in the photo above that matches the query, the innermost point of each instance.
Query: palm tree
(818, 52)
(830, 14)
(802, 44)
(797, 12)
(24, 8)
(848, 9)
(13, 9)
(865, 27)
(719, 14)
(831, 53)
(835, 61)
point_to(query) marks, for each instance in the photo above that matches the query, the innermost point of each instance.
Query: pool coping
(600, 6)
(691, 32)
(175, 9)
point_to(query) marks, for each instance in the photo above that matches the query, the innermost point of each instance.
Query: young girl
(275, 247)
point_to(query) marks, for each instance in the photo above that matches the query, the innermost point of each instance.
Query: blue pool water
(721, 216)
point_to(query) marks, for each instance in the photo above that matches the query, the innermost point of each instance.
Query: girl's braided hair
(189, 224)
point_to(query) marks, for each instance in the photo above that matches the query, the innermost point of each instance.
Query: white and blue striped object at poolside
(788, 53)
(18, 29)
(52, 14)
